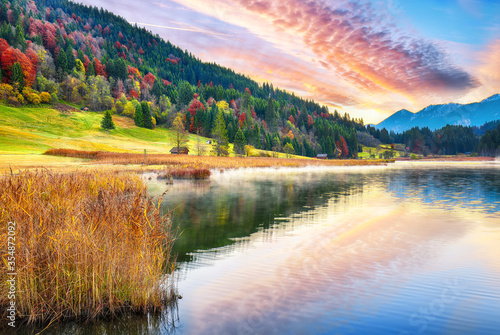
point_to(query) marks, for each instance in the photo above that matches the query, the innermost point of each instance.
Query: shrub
(13, 101)
(45, 97)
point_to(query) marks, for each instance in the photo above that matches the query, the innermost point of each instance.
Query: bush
(45, 97)
(20, 98)
(413, 156)
(54, 98)
(13, 101)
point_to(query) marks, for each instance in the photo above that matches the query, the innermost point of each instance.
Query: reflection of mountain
(237, 208)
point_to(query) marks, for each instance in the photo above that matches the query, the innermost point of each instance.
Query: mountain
(438, 116)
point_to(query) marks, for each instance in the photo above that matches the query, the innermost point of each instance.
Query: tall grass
(206, 162)
(88, 244)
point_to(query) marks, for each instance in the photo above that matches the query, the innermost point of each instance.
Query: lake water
(402, 249)
(409, 248)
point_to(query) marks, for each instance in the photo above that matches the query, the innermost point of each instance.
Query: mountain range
(438, 116)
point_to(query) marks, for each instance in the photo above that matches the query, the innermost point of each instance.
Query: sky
(368, 58)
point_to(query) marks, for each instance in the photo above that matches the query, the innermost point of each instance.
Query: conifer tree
(17, 77)
(146, 115)
(221, 146)
(138, 116)
(107, 121)
(239, 142)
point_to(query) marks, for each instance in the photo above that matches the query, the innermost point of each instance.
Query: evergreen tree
(20, 40)
(17, 77)
(146, 115)
(271, 116)
(185, 94)
(239, 142)
(91, 69)
(138, 116)
(62, 61)
(107, 121)
(71, 61)
(221, 146)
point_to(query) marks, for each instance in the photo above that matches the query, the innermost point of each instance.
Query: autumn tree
(344, 148)
(200, 146)
(181, 135)
(289, 150)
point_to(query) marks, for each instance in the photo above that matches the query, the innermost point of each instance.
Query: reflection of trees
(214, 217)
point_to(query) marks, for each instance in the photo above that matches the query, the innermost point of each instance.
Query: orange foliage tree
(10, 57)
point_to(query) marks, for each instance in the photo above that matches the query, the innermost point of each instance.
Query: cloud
(366, 53)
(349, 54)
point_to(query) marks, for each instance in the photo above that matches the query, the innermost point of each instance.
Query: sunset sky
(365, 57)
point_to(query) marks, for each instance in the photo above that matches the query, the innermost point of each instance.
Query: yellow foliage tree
(223, 105)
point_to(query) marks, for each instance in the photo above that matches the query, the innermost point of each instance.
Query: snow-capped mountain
(438, 116)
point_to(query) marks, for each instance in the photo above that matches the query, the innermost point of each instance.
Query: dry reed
(88, 245)
(207, 162)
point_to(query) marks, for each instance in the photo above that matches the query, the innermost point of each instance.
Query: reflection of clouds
(323, 269)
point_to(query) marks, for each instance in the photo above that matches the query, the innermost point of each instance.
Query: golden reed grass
(88, 245)
(206, 162)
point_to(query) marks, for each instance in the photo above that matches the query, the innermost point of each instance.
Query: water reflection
(403, 249)
(351, 251)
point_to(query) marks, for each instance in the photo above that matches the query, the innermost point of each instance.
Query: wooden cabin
(181, 151)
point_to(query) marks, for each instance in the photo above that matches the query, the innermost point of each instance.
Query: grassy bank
(87, 245)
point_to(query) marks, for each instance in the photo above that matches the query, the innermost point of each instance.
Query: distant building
(181, 151)
(322, 156)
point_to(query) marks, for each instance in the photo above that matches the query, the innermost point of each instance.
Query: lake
(409, 248)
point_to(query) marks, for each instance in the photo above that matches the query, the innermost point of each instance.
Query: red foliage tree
(150, 79)
(141, 51)
(11, 56)
(120, 35)
(291, 119)
(166, 82)
(195, 106)
(100, 70)
(118, 45)
(133, 94)
(242, 118)
(344, 148)
(210, 101)
(310, 120)
(86, 62)
(3, 46)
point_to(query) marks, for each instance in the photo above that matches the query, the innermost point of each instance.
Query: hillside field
(27, 132)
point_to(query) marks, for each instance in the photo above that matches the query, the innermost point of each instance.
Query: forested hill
(57, 49)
